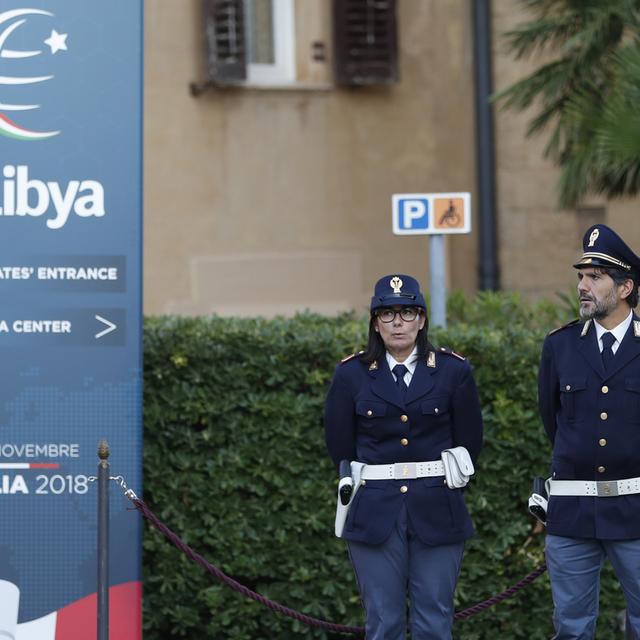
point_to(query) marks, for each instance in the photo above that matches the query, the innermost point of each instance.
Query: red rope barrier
(301, 617)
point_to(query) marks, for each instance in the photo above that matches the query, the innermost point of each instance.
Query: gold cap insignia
(396, 284)
(431, 359)
(594, 236)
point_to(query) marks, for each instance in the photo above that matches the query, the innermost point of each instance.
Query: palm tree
(587, 95)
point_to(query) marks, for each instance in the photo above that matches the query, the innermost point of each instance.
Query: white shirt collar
(618, 332)
(410, 362)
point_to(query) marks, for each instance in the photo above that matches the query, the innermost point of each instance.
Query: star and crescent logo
(10, 22)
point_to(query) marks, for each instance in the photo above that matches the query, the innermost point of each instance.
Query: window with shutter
(226, 41)
(366, 42)
(250, 42)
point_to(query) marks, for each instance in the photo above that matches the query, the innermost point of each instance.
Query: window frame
(283, 71)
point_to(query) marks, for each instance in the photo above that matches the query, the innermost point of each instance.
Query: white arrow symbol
(110, 327)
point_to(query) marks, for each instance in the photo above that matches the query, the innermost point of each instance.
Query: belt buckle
(404, 471)
(606, 488)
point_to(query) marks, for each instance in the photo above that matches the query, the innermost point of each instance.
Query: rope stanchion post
(103, 541)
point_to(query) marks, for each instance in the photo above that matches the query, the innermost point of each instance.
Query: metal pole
(485, 154)
(103, 541)
(438, 288)
(629, 633)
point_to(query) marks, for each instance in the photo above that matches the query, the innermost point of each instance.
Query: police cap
(603, 247)
(395, 290)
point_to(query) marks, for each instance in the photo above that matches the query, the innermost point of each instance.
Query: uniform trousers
(574, 566)
(403, 564)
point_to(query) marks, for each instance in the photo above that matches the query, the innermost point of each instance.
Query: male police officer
(589, 400)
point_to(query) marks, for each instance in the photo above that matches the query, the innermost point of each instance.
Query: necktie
(607, 354)
(399, 370)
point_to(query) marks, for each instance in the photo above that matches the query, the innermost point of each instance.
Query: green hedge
(235, 463)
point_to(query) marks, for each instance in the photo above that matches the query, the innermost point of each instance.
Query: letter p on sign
(411, 214)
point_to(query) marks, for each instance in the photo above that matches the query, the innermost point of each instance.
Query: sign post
(70, 320)
(435, 215)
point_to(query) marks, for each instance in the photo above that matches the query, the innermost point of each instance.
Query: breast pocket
(436, 409)
(370, 413)
(571, 390)
(435, 406)
(632, 398)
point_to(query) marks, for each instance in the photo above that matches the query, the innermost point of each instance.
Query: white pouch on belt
(343, 509)
(458, 467)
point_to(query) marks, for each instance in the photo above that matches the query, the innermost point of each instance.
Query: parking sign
(431, 213)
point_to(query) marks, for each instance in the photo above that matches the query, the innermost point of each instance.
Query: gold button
(605, 389)
(601, 469)
(568, 387)
(602, 442)
(403, 418)
(436, 409)
(404, 442)
(369, 413)
(404, 488)
(604, 415)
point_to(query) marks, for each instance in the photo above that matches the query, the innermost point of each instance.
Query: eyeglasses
(408, 314)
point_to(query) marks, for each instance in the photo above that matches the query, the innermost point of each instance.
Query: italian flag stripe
(12, 130)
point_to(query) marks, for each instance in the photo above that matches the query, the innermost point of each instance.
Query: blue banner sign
(70, 318)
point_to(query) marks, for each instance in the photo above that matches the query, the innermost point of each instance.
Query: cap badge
(594, 236)
(396, 284)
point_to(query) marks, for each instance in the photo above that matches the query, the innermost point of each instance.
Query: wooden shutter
(226, 41)
(366, 42)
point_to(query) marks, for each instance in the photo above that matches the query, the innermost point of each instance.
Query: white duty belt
(597, 488)
(403, 470)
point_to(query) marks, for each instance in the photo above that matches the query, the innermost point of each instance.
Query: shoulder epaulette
(564, 326)
(351, 356)
(451, 353)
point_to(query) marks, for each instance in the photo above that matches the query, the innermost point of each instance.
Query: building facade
(270, 191)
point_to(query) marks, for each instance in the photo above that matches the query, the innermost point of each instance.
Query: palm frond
(587, 97)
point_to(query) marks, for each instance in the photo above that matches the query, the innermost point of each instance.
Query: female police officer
(395, 407)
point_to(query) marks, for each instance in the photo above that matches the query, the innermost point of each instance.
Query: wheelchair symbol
(450, 217)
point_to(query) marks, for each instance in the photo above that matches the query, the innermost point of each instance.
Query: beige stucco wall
(265, 201)
(272, 201)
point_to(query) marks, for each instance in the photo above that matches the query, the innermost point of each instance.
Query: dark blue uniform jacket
(367, 420)
(593, 421)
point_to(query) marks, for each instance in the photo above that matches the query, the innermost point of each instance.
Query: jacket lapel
(422, 380)
(629, 348)
(383, 384)
(588, 347)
